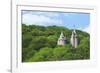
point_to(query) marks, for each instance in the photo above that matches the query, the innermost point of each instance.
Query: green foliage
(39, 43)
(59, 52)
(26, 39)
(44, 54)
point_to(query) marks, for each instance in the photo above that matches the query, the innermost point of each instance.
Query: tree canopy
(39, 43)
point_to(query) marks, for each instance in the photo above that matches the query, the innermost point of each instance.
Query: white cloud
(51, 14)
(40, 20)
(48, 14)
(87, 29)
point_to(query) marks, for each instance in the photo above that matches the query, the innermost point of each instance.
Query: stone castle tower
(62, 39)
(74, 39)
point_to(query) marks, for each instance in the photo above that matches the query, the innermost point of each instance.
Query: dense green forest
(39, 43)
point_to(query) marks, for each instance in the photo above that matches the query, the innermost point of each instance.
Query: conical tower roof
(61, 35)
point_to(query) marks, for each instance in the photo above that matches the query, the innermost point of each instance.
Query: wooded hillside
(39, 43)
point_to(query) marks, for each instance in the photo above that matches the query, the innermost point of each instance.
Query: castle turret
(74, 39)
(62, 39)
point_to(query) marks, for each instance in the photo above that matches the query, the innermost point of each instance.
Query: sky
(71, 20)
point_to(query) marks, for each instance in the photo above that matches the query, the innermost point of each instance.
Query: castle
(73, 40)
(62, 39)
